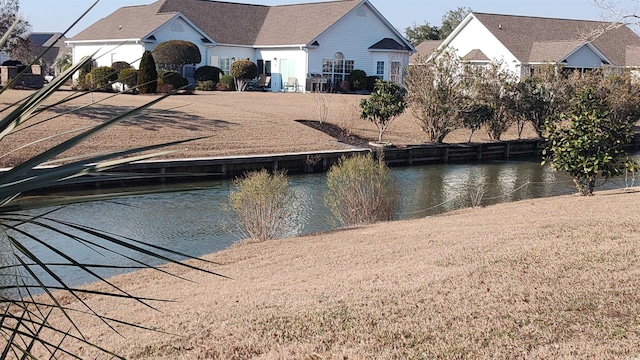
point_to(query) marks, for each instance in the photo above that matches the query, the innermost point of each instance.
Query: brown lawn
(235, 123)
(553, 278)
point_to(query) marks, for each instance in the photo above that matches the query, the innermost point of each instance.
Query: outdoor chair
(292, 83)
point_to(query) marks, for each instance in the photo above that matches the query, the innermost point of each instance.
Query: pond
(193, 222)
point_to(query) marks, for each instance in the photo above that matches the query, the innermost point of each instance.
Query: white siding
(352, 36)
(287, 63)
(169, 31)
(476, 36)
(583, 58)
(107, 52)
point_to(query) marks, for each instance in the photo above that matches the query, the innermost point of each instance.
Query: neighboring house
(322, 40)
(40, 42)
(522, 42)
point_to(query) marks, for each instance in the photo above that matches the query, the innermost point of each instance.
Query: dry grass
(547, 278)
(237, 123)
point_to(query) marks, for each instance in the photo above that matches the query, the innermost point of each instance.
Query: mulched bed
(338, 133)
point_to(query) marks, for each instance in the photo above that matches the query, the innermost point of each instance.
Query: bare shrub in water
(361, 191)
(264, 205)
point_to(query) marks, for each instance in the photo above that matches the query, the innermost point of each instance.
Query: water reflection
(191, 221)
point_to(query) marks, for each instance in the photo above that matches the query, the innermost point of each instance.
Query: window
(337, 70)
(380, 69)
(177, 27)
(225, 65)
(264, 67)
(396, 72)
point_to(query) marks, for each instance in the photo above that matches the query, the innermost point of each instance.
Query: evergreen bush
(147, 74)
(101, 77)
(357, 80)
(227, 82)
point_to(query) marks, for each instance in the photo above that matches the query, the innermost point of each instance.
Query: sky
(44, 16)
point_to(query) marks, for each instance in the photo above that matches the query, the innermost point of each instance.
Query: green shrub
(147, 74)
(357, 80)
(361, 191)
(587, 142)
(243, 71)
(208, 73)
(170, 80)
(227, 82)
(264, 205)
(207, 85)
(129, 77)
(101, 77)
(174, 54)
(371, 83)
(118, 66)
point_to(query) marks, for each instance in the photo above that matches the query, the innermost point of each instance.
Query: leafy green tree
(436, 93)
(383, 105)
(416, 34)
(175, 54)
(587, 142)
(243, 71)
(361, 191)
(147, 74)
(451, 19)
(63, 62)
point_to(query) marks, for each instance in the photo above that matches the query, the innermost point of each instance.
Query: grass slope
(546, 278)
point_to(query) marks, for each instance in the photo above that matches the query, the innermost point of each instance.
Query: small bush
(207, 85)
(101, 77)
(227, 82)
(170, 80)
(357, 80)
(371, 83)
(118, 66)
(129, 77)
(264, 205)
(361, 191)
(208, 73)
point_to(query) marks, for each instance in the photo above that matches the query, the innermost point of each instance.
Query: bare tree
(9, 12)
(436, 93)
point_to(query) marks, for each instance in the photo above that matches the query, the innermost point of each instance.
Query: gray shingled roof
(552, 51)
(424, 49)
(524, 35)
(388, 44)
(225, 22)
(476, 55)
(129, 22)
(301, 23)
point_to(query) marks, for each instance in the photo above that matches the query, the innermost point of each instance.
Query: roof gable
(231, 23)
(224, 22)
(526, 37)
(129, 22)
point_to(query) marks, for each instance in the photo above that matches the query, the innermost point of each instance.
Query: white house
(522, 42)
(301, 42)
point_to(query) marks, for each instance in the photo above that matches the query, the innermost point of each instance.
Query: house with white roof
(303, 42)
